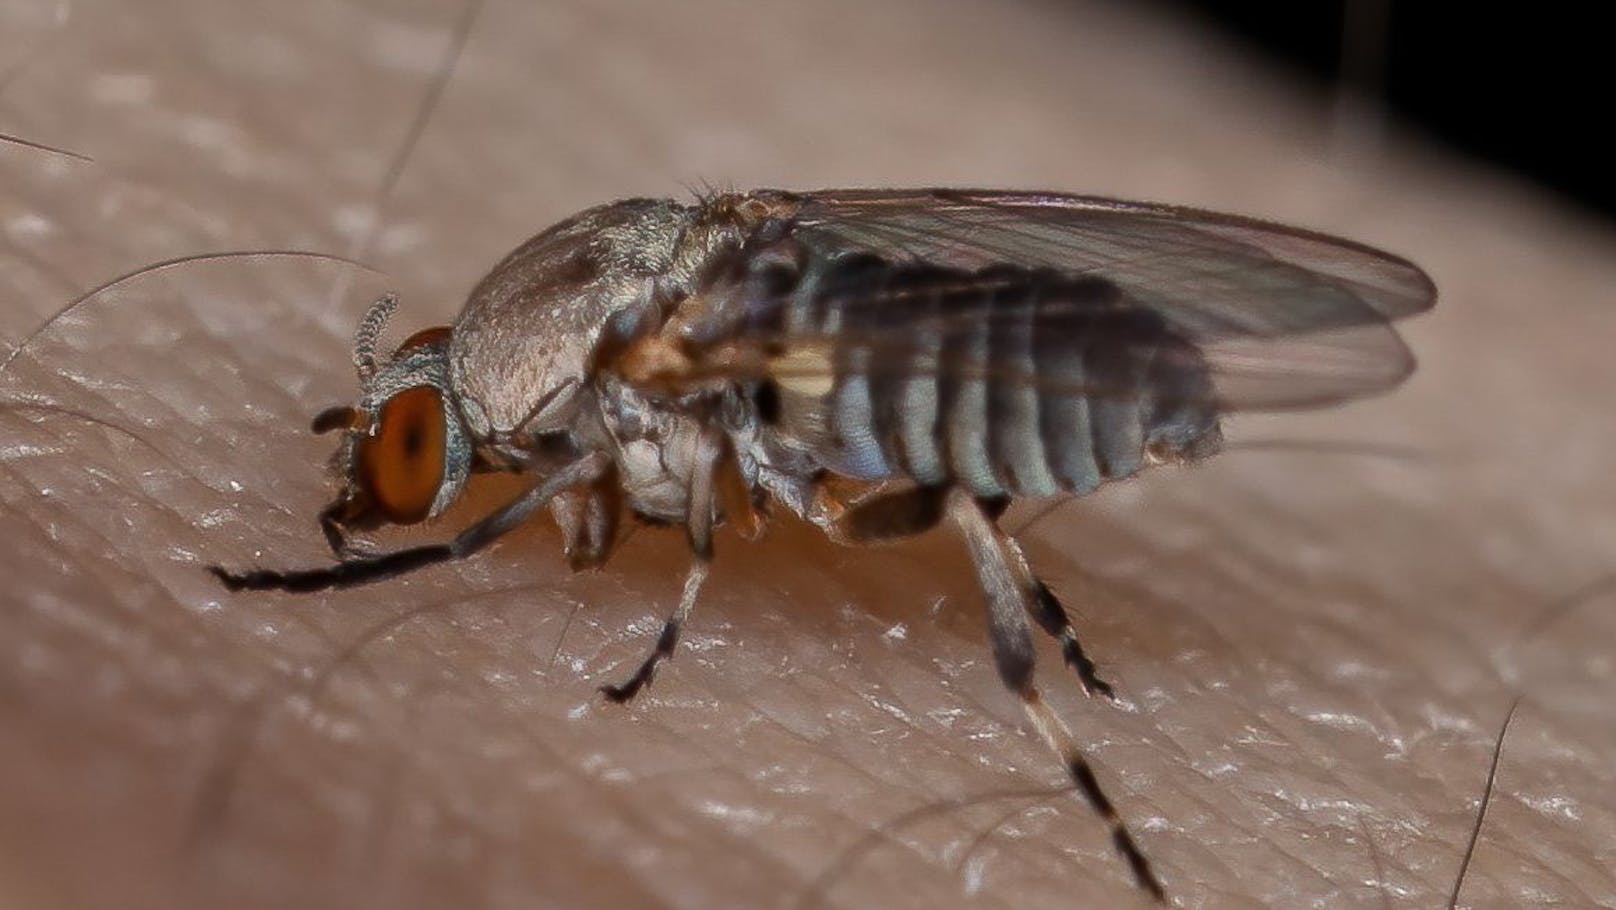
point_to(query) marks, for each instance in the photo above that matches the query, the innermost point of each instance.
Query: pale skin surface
(1314, 652)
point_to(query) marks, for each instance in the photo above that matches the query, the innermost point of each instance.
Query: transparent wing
(1282, 317)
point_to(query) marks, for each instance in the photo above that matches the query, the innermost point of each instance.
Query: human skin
(1314, 647)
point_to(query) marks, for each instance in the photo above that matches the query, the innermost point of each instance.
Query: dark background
(1516, 85)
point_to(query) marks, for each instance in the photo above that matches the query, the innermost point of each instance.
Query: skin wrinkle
(818, 893)
(861, 772)
(939, 743)
(110, 544)
(50, 535)
(51, 409)
(252, 713)
(1041, 857)
(416, 707)
(176, 416)
(1228, 681)
(44, 266)
(11, 69)
(912, 725)
(51, 530)
(1532, 632)
(1005, 728)
(431, 609)
(980, 841)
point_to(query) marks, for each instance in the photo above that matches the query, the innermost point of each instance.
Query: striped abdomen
(1006, 380)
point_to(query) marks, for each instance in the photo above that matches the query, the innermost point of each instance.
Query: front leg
(699, 529)
(365, 569)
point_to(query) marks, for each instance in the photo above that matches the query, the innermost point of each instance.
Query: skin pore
(1313, 650)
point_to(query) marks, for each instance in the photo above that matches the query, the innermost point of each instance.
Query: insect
(877, 362)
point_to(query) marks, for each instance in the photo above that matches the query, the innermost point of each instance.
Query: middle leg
(699, 529)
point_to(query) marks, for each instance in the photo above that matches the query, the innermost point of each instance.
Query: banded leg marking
(1051, 615)
(1011, 599)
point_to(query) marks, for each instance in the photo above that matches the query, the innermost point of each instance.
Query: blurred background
(1316, 646)
(1484, 81)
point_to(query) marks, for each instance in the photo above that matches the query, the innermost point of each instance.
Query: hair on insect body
(875, 362)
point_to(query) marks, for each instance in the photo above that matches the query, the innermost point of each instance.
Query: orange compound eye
(401, 466)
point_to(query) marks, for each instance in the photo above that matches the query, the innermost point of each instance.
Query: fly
(875, 362)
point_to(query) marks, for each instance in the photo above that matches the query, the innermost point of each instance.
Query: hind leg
(1013, 595)
(1046, 608)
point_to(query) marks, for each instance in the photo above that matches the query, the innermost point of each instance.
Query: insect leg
(735, 498)
(1011, 599)
(341, 517)
(588, 521)
(336, 537)
(890, 516)
(365, 569)
(1051, 615)
(699, 528)
(666, 641)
